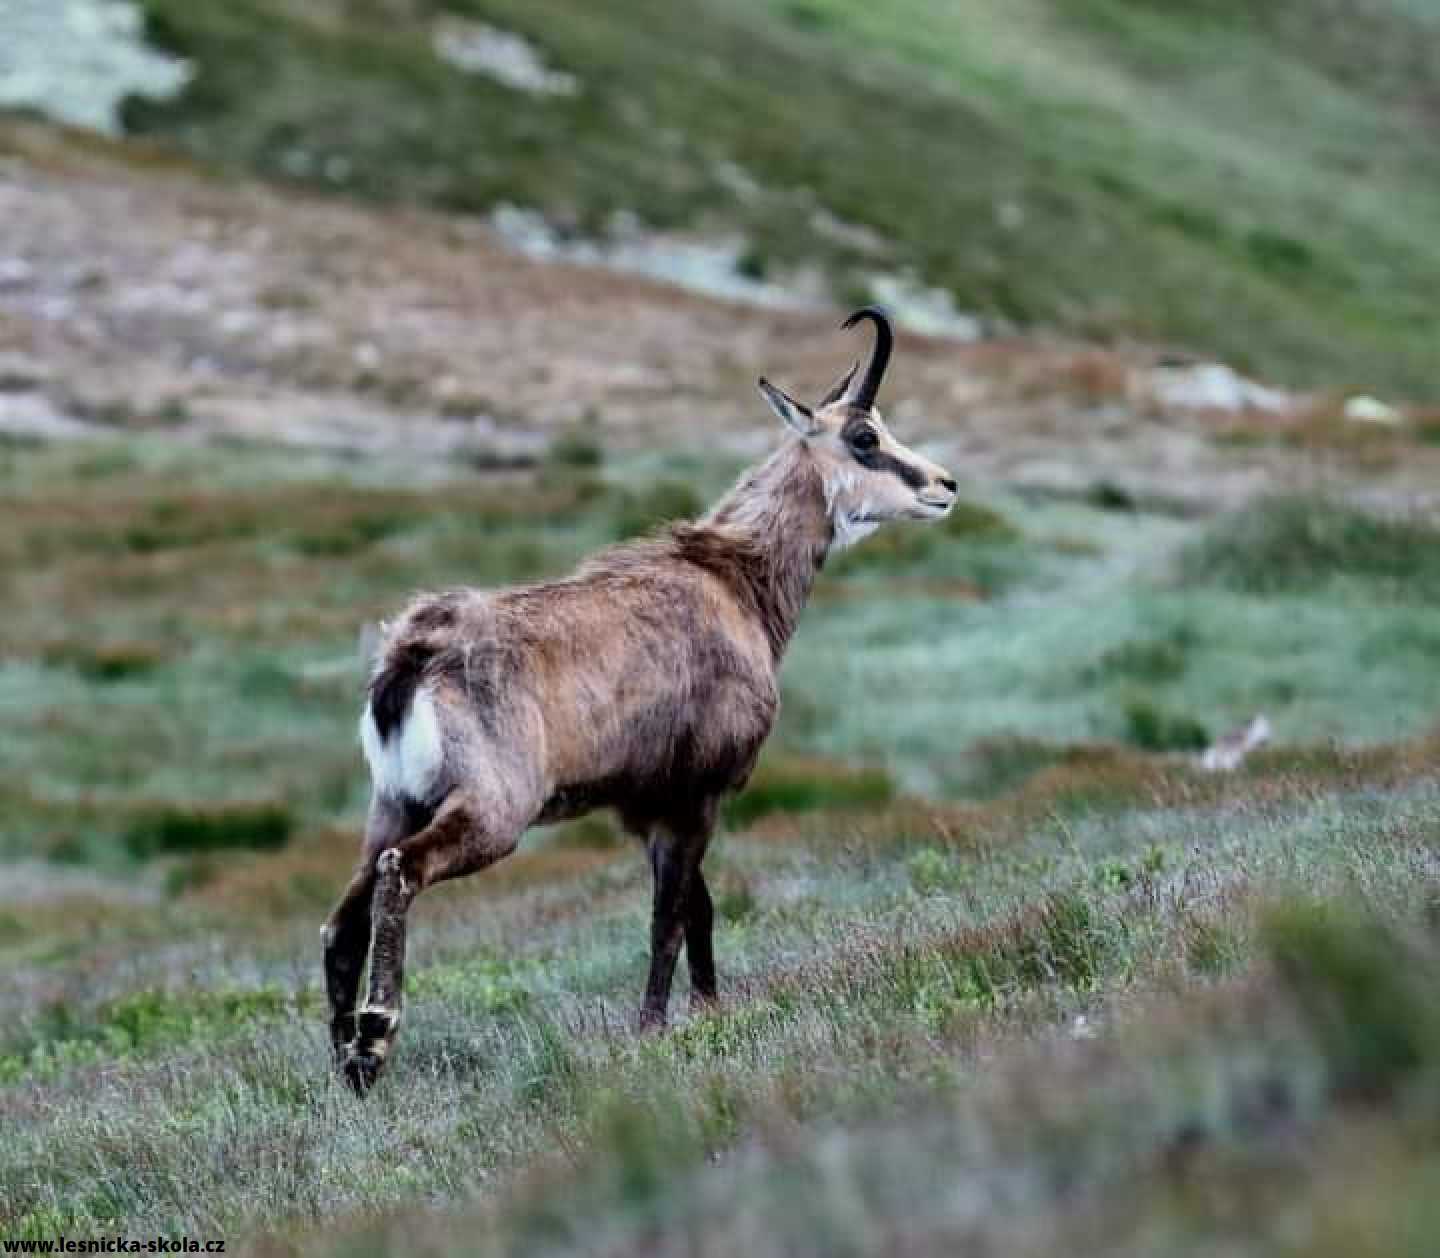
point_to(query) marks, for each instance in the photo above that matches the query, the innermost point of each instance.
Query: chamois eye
(865, 439)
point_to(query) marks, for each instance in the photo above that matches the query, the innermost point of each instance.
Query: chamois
(645, 683)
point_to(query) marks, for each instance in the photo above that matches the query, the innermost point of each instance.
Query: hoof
(704, 1002)
(342, 1031)
(362, 1061)
(361, 1069)
(651, 1021)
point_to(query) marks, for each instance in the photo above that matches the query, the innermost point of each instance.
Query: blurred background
(308, 304)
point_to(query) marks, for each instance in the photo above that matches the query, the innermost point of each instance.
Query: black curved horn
(864, 394)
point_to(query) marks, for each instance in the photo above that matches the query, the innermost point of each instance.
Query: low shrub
(1155, 729)
(806, 786)
(1368, 991)
(1293, 544)
(199, 828)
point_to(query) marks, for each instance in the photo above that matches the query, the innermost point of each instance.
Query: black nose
(949, 484)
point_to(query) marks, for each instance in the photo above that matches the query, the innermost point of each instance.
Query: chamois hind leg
(346, 934)
(676, 848)
(459, 840)
(699, 942)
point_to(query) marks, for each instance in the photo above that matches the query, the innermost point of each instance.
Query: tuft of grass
(1367, 990)
(1151, 661)
(107, 661)
(135, 1024)
(1213, 948)
(734, 897)
(999, 764)
(1290, 545)
(348, 534)
(932, 869)
(1106, 495)
(578, 447)
(795, 785)
(975, 520)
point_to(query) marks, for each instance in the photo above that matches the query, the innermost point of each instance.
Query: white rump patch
(406, 764)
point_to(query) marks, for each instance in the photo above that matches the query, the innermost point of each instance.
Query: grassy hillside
(1002, 969)
(1259, 185)
(1079, 978)
(182, 665)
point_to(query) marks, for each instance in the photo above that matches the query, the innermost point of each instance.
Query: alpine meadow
(1045, 667)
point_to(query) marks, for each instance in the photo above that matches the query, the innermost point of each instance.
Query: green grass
(1296, 544)
(1121, 168)
(971, 930)
(861, 993)
(182, 692)
(806, 786)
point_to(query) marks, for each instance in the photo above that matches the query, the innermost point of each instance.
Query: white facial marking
(839, 480)
(851, 529)
(850, 520)
(406, 764)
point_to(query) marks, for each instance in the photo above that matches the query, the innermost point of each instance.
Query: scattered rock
(32, 416)
(930, 311)
(76, 60)
(710, 265)
(478, 48)
(1213, 387)
(1010, 215)
(1368, 410)
(19, 373)
(1228, 752)
(15, 274)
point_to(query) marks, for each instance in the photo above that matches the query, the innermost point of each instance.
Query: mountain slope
(1260, 187)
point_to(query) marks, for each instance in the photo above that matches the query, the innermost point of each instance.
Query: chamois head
(869, 476)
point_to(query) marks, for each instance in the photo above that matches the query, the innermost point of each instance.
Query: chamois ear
(796, 414)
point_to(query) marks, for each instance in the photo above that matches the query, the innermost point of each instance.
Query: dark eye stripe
(878, 460)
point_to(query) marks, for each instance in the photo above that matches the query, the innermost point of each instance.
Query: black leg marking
(699, 942)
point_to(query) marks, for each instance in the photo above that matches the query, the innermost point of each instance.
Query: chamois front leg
(676, 850)
(346, 934)
(346, 939)
(457, 841)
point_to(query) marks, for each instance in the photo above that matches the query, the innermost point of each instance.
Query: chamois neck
(776, 528)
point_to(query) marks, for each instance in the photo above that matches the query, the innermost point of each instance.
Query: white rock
(930, 311)
(76, 60)
(34, 416)
(15, 273)
(1229, 750)
(1369, 410)
(478, 48)
(1213, 387)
